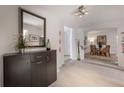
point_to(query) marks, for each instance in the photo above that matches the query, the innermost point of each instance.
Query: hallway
(81, 74)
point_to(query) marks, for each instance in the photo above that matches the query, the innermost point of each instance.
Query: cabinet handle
(38, 56)
(39, 62)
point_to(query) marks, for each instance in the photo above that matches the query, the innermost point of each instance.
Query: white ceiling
(97, 14)
(91, 32)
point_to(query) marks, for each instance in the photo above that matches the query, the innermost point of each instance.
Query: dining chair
(106, 51)
(93, 50)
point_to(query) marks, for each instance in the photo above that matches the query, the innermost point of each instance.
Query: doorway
(93, 51)
(67, 43)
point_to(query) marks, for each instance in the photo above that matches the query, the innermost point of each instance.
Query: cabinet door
(51, 67)
(17, 71)
(38, 72)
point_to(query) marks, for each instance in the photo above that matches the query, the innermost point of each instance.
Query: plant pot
(22, 50)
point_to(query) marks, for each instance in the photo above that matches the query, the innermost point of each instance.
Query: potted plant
(21, 44)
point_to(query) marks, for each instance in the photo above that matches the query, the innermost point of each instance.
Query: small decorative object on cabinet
(31, 69)
(48, 46)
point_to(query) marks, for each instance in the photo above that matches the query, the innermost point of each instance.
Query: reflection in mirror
(33, 30)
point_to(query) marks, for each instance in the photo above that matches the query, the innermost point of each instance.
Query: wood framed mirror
(32, 27)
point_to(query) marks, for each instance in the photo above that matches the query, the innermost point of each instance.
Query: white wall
(120, 54)
(9, 31)
(61, 46)
(111, 39)
(67, 41)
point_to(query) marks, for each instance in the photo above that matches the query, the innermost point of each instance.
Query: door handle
(39, 62)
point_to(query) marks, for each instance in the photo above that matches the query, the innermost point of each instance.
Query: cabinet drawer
(37, 57)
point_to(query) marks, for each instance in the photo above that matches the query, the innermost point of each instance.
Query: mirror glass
(33, 29)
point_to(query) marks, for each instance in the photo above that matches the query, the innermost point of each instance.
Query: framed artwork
(122, 36)
(122, 41)
(33, 38)
(102, 39)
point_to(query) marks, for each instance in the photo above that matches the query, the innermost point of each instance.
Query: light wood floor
(83, 74)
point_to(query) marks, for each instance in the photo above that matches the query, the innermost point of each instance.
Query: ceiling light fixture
(81, 11)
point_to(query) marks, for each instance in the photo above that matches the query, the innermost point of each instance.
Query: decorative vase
(78, 57)
(48, 45)
(100, 45)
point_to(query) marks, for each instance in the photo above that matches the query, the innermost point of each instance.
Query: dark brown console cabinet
(34, 69)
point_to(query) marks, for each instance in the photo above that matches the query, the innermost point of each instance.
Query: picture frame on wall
(122, 41)
(102, 39)
(122, 36)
